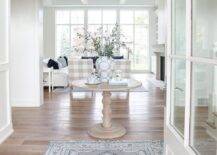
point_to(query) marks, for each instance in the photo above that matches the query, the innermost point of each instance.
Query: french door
(191, 77)
(134, 28)
(5, 109)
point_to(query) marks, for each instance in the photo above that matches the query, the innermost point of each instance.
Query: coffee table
(107, 129)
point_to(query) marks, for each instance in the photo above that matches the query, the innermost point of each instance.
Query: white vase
(104, 66)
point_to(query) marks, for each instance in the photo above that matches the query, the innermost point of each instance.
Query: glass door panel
(141, 54)
(205, 28)
(141, 17)
(178, 27)
(62, 17)
(140, 59)
(134, 25)
(127, 33)
(109, 17)
(126, 17)
(63, 45)
(77, 42)
(178, 95)
(107, 29)
(128, 37)
(178, 69)
(202, 74)
(94, 17)
(203, 133)
(204, 97)
(94, 28)
(77, 17)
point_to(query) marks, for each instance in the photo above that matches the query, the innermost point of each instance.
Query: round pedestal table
(107, 129)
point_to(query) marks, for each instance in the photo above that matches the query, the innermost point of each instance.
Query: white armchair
(124, 66)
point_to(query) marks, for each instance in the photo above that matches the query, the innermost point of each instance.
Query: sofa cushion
(52, 63)
(118, 57)
(93, 58)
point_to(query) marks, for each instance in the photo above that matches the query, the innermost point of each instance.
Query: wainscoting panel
(4, 97)
(5, 108)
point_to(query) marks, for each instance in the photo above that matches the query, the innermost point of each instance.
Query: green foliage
(104, 44)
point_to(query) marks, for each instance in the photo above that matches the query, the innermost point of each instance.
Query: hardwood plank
(63, 119)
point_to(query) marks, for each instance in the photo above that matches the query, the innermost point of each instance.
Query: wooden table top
(105, 86)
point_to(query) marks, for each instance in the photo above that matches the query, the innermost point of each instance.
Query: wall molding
(24, 103)
(5, 132)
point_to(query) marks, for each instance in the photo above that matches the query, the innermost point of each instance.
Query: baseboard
(5, 132)
(24, 103)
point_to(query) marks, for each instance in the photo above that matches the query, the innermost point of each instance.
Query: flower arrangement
(102, 43)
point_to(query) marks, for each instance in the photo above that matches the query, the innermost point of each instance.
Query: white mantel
(159, 48)
(159, 51)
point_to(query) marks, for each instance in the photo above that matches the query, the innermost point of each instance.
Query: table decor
(105, 47)
(119, 82)
(93, 79)
(104, 66)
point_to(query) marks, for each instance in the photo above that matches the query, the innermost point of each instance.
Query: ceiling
(99, 2)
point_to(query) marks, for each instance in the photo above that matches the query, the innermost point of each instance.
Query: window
(134, 24)
(68, 24)
(101, 18)
(135, 27)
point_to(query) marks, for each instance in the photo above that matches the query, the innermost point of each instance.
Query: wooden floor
(63, 119)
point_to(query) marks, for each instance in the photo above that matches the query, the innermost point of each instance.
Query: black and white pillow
(62, 61)
(53, 63)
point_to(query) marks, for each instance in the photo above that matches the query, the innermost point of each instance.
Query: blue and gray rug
(105, 148)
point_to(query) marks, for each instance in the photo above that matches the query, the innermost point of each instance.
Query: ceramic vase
(104, 66)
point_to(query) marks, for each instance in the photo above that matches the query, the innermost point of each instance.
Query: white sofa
(59, 77)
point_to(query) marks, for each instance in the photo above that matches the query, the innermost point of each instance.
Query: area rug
(157, 83)
(150, 147)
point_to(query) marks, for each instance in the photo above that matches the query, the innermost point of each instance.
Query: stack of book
(118, 82)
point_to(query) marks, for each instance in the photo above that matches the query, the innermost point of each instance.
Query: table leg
(107, 129)
(106, 110)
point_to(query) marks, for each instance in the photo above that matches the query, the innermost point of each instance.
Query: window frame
(117, 9)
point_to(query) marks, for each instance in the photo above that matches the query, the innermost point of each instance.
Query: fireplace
(162, 68)
(159, 51)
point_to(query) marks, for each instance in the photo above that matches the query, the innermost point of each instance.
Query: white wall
(26, 51)
(161, 13)
(5, 108)
(49, 32)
